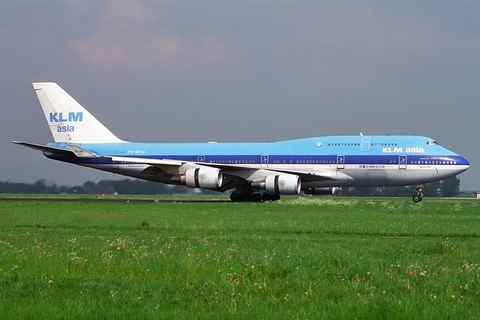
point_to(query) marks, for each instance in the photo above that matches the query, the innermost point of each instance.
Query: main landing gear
(246, 195)
(417, 197)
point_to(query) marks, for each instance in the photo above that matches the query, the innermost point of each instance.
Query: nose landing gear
(417, 197)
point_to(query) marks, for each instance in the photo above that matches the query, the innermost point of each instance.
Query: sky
(240, 71)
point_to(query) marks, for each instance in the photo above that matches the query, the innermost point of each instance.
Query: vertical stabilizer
(67, 119)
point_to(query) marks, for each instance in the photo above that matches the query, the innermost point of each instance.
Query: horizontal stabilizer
(73, 150)
(43, 148)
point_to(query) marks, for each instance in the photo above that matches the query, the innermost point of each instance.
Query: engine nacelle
(283, 184)
(210, 178)
(320, 190)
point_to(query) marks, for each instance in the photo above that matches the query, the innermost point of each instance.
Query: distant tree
(397, 191)
(15, 187)
(37, 187)
(358, 191)
(431, 189)
(129, 186)
(89, 185)
(64, 189)
(40, 187)
(450, 187)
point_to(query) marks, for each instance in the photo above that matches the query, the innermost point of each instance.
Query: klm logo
(400, 150)
(70, 117)
(392, 150)
(60, 117)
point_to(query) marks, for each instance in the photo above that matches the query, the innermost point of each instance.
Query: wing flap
(319, 174)
(153, 162)
(326, 174)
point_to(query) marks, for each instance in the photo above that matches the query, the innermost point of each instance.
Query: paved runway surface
(108, 200)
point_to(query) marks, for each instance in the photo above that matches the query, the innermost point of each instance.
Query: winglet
(68, 120)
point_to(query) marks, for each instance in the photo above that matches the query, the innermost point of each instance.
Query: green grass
(329, 258)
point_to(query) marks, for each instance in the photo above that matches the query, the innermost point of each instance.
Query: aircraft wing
(229, 169)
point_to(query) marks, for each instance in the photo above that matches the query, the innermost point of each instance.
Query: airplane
(255, 171)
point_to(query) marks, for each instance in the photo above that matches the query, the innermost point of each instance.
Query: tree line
(445, 188)
(126, 186)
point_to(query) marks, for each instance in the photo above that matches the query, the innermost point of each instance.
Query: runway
(111, 200)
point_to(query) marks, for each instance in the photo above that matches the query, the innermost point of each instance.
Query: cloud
(378, 51)
(126, 38)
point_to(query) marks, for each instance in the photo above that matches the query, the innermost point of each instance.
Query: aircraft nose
(463, 164)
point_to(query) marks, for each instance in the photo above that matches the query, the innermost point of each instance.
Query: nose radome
(464, 164)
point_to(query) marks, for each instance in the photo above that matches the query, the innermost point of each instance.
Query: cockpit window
(431, 143)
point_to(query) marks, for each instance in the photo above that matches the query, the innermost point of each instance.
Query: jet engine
(279, 184)
(209, 178)
(320, 190)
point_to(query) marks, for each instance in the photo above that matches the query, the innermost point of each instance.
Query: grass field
(298, 258)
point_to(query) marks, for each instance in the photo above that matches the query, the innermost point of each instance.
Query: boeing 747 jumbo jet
(255, 171)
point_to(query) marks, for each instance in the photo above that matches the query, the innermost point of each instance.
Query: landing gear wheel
(256, 197)
(235, 197)
(246, 195)
(417, 197)
(270, 197)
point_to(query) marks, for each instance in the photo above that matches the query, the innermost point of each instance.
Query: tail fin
(68, 120)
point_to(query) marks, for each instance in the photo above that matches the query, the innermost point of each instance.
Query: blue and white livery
(255, 171)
